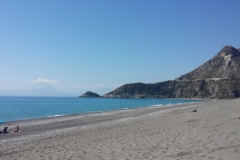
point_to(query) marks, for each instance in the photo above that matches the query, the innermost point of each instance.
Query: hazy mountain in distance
(45, 92)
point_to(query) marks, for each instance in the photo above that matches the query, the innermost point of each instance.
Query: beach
(169, 133)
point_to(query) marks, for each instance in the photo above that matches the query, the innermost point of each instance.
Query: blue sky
(97, 45)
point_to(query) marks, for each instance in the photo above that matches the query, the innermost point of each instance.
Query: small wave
(156, 105)
(57, 115)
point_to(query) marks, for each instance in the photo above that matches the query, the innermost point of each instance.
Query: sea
(22, 108)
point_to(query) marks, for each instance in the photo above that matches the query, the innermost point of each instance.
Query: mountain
(224, 65)
(46, 92)
(89, 94)
(217, 78)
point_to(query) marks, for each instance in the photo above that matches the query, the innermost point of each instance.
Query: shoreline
(104, 111)
(171, 132)
(87, 118)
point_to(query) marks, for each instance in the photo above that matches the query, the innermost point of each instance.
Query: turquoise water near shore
(21, 108)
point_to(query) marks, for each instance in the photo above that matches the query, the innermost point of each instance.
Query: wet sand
(173, 132)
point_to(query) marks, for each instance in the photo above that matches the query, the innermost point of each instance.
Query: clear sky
(97, 45)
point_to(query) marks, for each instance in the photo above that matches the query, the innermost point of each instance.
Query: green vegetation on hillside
(179, 89)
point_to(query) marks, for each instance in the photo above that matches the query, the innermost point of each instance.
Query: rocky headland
(217, 78)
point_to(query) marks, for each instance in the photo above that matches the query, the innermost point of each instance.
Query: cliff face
(217, 78)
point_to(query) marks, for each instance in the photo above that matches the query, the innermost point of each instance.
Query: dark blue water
(20, 108)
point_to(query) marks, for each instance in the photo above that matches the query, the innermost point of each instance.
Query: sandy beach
(168, 133)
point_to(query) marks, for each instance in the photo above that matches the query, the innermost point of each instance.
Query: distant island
(90, 94)
(217, 78)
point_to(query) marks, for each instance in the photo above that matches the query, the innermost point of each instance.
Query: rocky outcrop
(217, 78)
(89, 94)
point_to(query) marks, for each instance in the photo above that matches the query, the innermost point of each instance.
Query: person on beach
(5, 130)
(16, 129)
